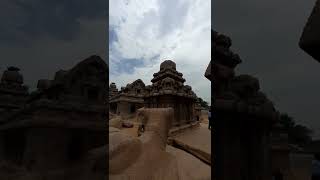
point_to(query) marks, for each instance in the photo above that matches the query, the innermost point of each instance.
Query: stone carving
(66, 115)
(128, 99)
(144, 157)
(241, 92)
(242, 114)
(167, 90)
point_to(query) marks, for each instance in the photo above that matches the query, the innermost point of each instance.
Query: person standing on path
(209, 117)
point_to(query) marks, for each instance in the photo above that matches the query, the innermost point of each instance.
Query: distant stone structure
(243, 117)
(280, 152)
(197, 110)
(168, 90)
(61, 123)
(13, 94)
(288, 161)
(128, 99)
(113, 90)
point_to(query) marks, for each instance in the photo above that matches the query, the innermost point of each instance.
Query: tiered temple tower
(168, 90)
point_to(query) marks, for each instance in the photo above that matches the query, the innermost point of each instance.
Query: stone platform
(190, 166)
(196, 141)
(177, 130)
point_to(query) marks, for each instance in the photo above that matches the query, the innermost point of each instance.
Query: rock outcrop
(144, 157)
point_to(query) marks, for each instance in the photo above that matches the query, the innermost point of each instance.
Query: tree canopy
(297, 133)
(203, 103)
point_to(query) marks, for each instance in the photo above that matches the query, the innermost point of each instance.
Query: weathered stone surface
(190, 167)
(168, 90)
(152, 141)
(243, 117)
(115, 122)
(57, 126)
(208, 73)
(310, 38)
(196, 141)
(128, 99)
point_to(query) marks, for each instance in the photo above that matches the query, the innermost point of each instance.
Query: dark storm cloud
(266, 36)
(54, 18)
(42, 37)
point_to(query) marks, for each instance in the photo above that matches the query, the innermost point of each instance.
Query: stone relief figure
(144, 157)
(236, 93)
(167, 83)
(178, 85)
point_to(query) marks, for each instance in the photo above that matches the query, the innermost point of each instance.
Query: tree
(203, 103)
(297, 133)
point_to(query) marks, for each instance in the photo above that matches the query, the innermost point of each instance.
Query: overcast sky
(266, 36)
(42, 37)
(144, 33)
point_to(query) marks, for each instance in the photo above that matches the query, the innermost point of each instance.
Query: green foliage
(203, 103)
(297, 133)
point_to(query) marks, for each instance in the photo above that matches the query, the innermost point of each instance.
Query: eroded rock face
(238, 94)
(144, 157)
(243, 117)
(55, 129)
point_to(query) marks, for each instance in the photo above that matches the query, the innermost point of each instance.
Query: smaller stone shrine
(13, 94)
(128, 100)
(113, 90)
(168, 90)
(61, 122)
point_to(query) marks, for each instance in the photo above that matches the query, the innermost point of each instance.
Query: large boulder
(144, 157)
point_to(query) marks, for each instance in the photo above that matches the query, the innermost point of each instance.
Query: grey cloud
(172, 14)
(41, 37)
(54, 18)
